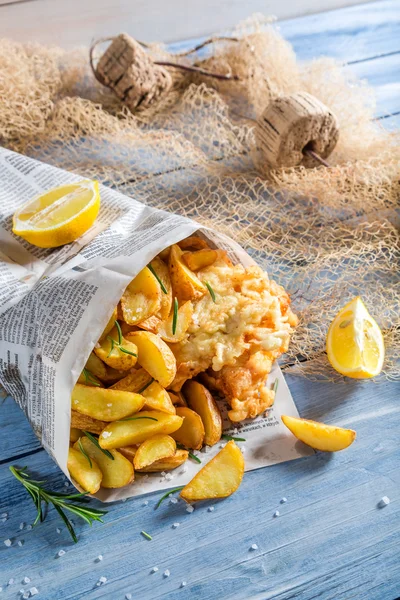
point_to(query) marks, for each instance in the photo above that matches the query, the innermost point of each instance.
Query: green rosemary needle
(89, 377)
(162, 286)
(146, 535)
(234, 439)
(276, 383)
(60, 502)
(118, 326)
(137, 419)
(96, 443)
(191, 455)
(177, 489)
(175, 317)
(146, 386)
(212, 293)
(85, 454)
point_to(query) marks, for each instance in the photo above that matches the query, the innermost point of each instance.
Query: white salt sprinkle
(283, 500)
(384, 501)
(21, 526)
(184, 469)
(102, 580)
(66, 484)
(145, 503)
(183, 584)
(1, 589)
(99, 558)
(277, 513)
(4, 515)
(163, 473)
(235, 431)
(33, 591)
(254, 547)
(154, 570)
(8, 543)
(169, 476)
(20, 543)
(58, 530)
(174, 501)
(26, 595)
(21, 591)
(29, 527)
(11, 581)
(175, 525)
(106, 434)
(110, 404)
(128, 596)
(243, 449)
(210, 509)
(61, 553)
(190, 508)
(26, 580)
(166, 573)
(4, 520)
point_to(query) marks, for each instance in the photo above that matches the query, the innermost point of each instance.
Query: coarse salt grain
(11, 581)
(33, 591)
(183, 584)
(184, 469)
(128, 596)
(20, 543)
(58, 530)
(384, 501)
(106, 434)
(210, 509)
(66, 484)
(61, 553)
(243, 449)
(166, 573)
(254, 547)
(174, 500)
(283, 500)
(169, 476)
(189, 509)
(163, 473)
(175, 525)
(7, 543)
(154, 570)
(4, 515)
(26, 595)
(29, 527)
(4, 520)
(277, 513)
(99, 558)
(26, 580)
(145, 503)
(21, 526)
(102, 580)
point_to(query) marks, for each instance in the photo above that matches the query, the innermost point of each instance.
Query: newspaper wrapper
(55, 303)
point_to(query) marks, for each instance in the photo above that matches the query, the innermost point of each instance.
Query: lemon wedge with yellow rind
(59, 216)
(354, 343)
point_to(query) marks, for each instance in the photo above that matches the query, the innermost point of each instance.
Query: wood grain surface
(331, 541)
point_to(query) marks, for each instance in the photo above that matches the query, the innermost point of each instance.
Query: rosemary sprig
(175, 316)
(137, 419)
(177, 489)
(85, 454)
(118, 326)
(118, 344)
(146, 386)
(276, 383)
(191, 455)
(234, 439)
(212, 293)
(162, 286)
(96, 443)
(58, 500)
(146, 535)
(89, 377)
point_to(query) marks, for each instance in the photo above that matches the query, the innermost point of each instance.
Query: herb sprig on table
(60, 502)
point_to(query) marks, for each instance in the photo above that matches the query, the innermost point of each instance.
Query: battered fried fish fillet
(236, 338)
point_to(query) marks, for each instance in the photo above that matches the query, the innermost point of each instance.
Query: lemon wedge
(58, 216)
(354, 343)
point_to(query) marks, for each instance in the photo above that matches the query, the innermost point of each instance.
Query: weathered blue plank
(17, 437)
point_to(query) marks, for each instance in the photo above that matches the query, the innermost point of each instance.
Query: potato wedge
(193, 242)
(167, 464)
(100, 370)
(120, 355)
(86, 423)
(201, 401)
(184, 318)
(111, 322)
(177, 398)
(200, 259)
(103, 404)
(142, 298)
(87, 378)
(127, 433)
(155, 356)
(191, 432)
(162, 272)
(219, 478)
(129, 451)
(87, 476)
(151, 324)
(318, 435)
(135, 381)
(185, 284)
(74, 435)
(117, 472)
(156, 448)
(156, 398)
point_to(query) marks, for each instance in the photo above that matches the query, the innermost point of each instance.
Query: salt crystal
(103, 579)
(4, 515)
(210, 509)
(163, 473)
(277, 513)
(184, 469)
(235, 431)
(106, 434)
(110, 404)
(29, 527)
(33, 591)
(254, 547)
(166, 573)
(26, 595)
(66, 484)
(183, 584)
(58, 530)
(61, 553)
(20, 543)
(26, 580)
(243, 449)
(1, 589)
(99, 558)
(4, 520)
(169, 476)
(21, 526)
(128, 596)
(7, 543)
(175, 525)
(383, 502)
(145, 503)
(22, 591)
(283, 500)
(222, 445)
(11, 581)
(174, 500)
(154, 570)
(190, 509)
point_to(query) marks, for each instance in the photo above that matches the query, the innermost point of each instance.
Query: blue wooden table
(331, 541)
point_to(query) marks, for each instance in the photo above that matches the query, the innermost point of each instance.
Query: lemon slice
(354, 343)
(59, 216)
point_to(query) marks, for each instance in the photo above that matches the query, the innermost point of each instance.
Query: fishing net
(326, 234)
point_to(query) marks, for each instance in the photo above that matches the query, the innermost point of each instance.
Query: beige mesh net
(326, 234)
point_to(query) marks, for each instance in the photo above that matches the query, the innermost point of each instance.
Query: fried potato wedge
(129, 451)
(318, 435)
(156, 398)
(129, 432)
(100, 370)
(155, 356)
(120, 355)
(201, 401)
(191, 432)
(185, 284)
(87, 476)
(219, 478)
(162, 272)
(156, 448)
(135, 381)
(117, 472)
(165, 329)
(87, 378)
(103, 404)
(200, 259)
(111, 322)
(193, 242)
(86, 423)
(142, 298)
(74, 435)
(167, 464)
(177, 398)
(151, 324)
